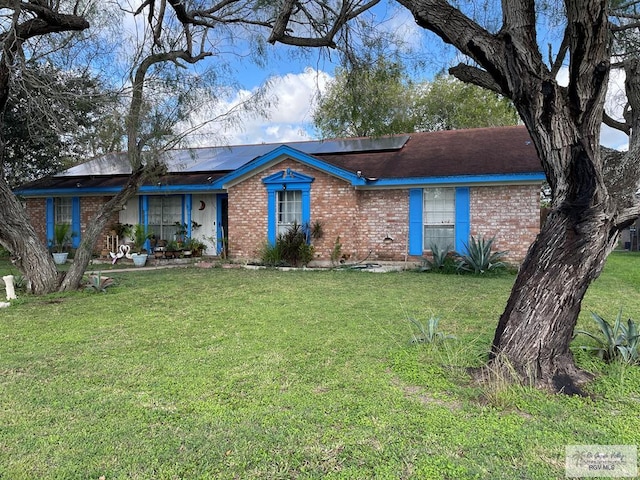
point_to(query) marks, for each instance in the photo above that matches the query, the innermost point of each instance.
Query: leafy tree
(449, 104)
(367, 101)
(24, 22)
(163, 87)
(50, 118)
(593, 191)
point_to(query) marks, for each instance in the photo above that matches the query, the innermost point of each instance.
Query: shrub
(336, 252)
(270, 255)
(291, 248)
(620, 341)
(479, 257)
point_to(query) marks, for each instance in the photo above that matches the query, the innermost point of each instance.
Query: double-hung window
(439, 211)
(289, 209)
(62, 210)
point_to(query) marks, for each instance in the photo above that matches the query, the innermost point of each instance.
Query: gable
(278, 155)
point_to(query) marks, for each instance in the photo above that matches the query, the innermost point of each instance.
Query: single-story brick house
(387, 199)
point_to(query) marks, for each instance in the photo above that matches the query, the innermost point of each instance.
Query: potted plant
(61, 241)
(140, 236)
(196, 246)
(181, 233)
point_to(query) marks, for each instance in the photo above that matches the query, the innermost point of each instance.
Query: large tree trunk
(17, 235)
(73, 279)
(534, 332)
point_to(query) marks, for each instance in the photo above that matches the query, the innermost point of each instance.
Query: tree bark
(534, 332)
(73, 279)
(28, 253)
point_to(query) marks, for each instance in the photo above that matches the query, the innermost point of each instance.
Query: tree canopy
(52, 120)
(379, 98)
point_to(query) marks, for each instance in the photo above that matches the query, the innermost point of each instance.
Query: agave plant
(479, 257)
(618, 341)
(441, 261)
(98, 284)
(427, 333)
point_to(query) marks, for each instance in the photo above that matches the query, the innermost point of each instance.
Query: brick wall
(36, 211)
(511, 214)
(88, 208)
(384, 213)
(363, 218)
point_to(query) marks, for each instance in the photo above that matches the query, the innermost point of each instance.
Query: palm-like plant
(61, 237)
(140, 236)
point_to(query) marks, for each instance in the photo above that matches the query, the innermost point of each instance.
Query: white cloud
(288, 117)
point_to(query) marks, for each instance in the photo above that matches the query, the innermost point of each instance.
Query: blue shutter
(463, 218)
(50, 218)
(188, 204)
(75, 221)
(271, 214)
(416, 228)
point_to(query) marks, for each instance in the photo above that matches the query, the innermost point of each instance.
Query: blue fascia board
(217, 186)
(62, 192)
(459, 180)
(297, 155)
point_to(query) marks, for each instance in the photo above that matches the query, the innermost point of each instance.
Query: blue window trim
(462, 225)
(286, 180)
(50, 218)
(416, 228)
(187, 203)
(219, 233)
(463, 219)
(75, 222)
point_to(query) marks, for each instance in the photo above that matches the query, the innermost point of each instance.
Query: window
(164, 212)
(289, 209)
(63, 210)
(288, 201)
(439, 218)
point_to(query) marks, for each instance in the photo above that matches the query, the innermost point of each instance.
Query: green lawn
(218, 373)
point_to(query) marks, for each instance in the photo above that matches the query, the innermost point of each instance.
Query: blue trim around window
(143, 216)
(186, 212)
(220, 234)
(463, 219)
(75, 222)
(462, 226)
(416, 227)
(50, 219)
(278, 182)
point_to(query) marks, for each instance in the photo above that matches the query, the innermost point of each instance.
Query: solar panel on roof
(230, 158)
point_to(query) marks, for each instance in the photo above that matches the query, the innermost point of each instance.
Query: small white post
(8, 283)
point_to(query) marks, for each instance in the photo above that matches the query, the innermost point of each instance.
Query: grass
(194, 373)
